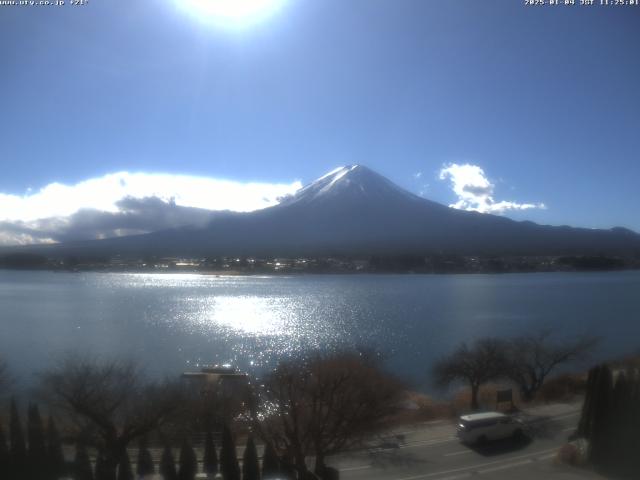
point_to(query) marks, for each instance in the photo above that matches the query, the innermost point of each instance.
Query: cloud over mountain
(476, 192)
(126, 203)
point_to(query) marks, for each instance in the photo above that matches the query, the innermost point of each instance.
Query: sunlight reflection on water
(252, 319)
(172, 321)
(248, 314)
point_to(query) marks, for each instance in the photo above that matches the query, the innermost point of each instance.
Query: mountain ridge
(353, 210)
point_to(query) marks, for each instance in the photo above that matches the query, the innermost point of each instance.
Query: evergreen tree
(289, 472)
(82, 465)
(4, 455)
(55, 457)
(610, 420)
(229, 466)
(601, 417)
(634, 420)
(101, 470)
(188, 462)
(270, 462)
(623, 459)
(17, 447)
(125, 472)
(620, 419)
(37, 451)
(585, 425)
(145, 460)
(250, 465)
(168, 465)
(210, 459)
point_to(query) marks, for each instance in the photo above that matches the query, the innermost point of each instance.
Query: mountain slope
(355, 211)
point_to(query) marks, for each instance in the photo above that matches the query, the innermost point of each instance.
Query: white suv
(479, 428)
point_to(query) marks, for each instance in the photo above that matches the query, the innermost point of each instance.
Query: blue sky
(545, 100)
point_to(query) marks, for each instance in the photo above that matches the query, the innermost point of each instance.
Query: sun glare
(231, 12)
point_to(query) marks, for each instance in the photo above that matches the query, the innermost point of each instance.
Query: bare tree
(324, 405)
(533, 357)
(111, 399)
(484, 361)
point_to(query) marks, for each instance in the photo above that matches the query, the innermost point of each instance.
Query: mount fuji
(355, 211)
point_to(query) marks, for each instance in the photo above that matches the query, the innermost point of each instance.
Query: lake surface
(171, 323)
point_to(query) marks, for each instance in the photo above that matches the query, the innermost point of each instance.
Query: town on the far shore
(241, 265)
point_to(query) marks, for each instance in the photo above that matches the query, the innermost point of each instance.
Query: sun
(231, 13)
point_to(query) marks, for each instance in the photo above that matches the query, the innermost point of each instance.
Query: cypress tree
(4, 455)
(82, 465)
(585, 425)
(125, 472)
(37, 451)
(55, 457)
(188, 462)
(599, 441)
(145, 460)
(620, 454)
(17, 447)
(228, 458)
(270, 462)
(210, 459)
(611, 419)
(624, 459)
(288, 471)
(634, 416)
(250, 465)
(101, 471)
(634, 424)
(168, 465)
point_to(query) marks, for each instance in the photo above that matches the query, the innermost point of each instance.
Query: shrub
(562, 388)
(125, 472)
(210, 460)
(56, 463)
(250, 465)
(228, 457)
(145, 461)
(82, 464)
(188, 462)
(270, 462)
(168, 465)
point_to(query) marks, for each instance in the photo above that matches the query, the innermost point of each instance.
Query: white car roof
(474, 417)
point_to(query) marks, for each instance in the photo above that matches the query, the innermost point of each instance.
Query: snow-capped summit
(350, 183)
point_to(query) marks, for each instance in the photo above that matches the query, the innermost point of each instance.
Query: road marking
(461, 452)
(422, 443)
(516, 464)
(418, 443)
(457, 477)
(560, 417)
(480, 465)
(350, 469)
(464, 472)
(426, 425)
(482, 472)
(453, 437)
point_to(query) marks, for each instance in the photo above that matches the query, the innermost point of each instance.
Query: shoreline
(289, 273)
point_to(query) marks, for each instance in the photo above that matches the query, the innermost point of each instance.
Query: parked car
(479, 428)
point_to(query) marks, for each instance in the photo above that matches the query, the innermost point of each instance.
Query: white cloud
(103, 193)
(124, 203)
(476, 192)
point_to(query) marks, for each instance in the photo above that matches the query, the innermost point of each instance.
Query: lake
(173, 322)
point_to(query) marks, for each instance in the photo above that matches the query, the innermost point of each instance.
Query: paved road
(431, 452)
